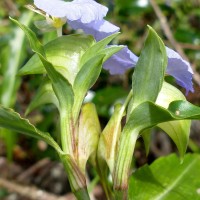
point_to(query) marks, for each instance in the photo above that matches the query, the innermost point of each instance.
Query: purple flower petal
(177, 67)
(180, 70)
(84, 10)
(121, 61)
(99, 29)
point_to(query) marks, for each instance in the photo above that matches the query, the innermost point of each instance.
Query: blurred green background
(132, 16)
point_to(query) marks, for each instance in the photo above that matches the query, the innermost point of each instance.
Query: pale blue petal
(177, 67)
(121, 61)
(180, 70)
(84, 10)
(99, 29)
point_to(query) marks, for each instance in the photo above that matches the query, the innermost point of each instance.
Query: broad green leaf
(13, 121)
(177, 110)
(144, 116)
(178, 130)
(166, 179)
(64, 53)
(150, 69)
(44, 95)
(61, 87)
(88, 134)
(85, 79)
(97, 47)
(109, 138)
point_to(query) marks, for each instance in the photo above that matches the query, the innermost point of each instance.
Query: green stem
(78, 101)
(128, 98)
(59, 31)
(193, 146)
(101, 164)
(103, 179)
(76, 177)
(122, 167)
(66, 133)
(82, 194)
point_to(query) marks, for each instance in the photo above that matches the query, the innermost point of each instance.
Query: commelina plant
(72, 64)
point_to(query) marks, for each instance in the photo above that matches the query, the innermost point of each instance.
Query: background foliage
(132, 16)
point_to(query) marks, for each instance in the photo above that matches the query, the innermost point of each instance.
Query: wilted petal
(121, 61)
(83, 10)
(180, 70)
(99, 29)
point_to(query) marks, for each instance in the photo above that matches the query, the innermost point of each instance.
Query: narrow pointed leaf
(149, 71)
(108, 52)
(13, 121)
(167, 178)
(97, 47)
(85, 79)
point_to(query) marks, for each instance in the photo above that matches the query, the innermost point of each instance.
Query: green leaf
(178, 130)
(64, 53)
(61, 87)
(13, 121)
(109, 51)
(97, 47)
(144, 116)
(167, 179)
(89, 129)
(91, 68)
(150, 69)
(154, 114)
(85, 79)
(44, 95)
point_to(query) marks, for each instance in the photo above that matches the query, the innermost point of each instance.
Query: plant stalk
(76, 177)
(123, 163)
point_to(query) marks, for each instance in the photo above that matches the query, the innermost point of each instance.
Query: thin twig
(31, 192)
(189, 46)
(169, 35)
(40, 164)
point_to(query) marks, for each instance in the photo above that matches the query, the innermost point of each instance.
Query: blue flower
(180, 70)
(88, 15)
(84, 10)
(99, 28)
(177, 67)
(80, 14)
(120, 62)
